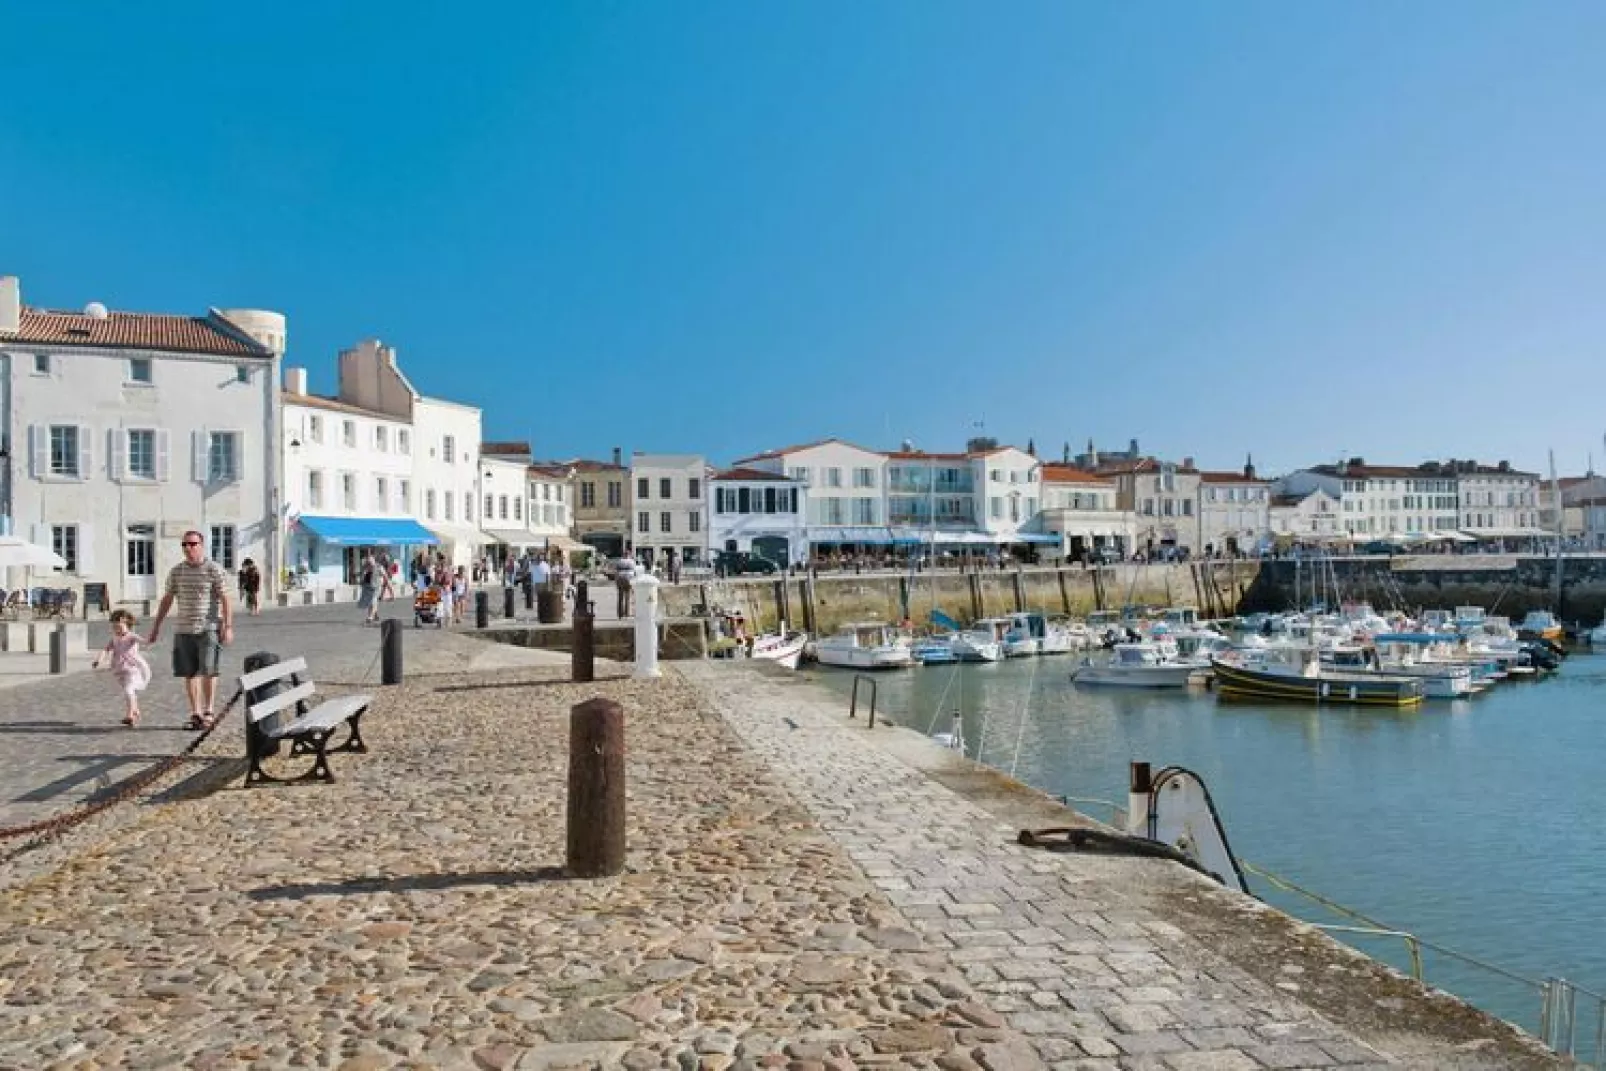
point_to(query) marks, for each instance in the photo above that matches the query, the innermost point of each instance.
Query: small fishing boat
(1297, 675)
(784, 647)
(976, 645)
(1138, 665)
(1540, 625)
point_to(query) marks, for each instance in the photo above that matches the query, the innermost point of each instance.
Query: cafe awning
(369, 531)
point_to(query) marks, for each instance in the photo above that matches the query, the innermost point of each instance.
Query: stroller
(427, 609)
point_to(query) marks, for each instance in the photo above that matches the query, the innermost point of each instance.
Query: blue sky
(1298, 230)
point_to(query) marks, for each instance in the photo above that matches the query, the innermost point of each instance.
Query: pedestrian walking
(367, 589)
(386, 590)
(459, 594)
(251, 586)
(624, 572)
(123, 654)
(203, 625)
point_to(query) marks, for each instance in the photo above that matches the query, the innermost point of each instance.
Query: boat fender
(1352, 693)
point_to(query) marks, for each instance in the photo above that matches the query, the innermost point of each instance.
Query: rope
(941, 699)
(1020, 737)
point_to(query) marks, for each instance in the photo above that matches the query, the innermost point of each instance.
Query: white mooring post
(1137, 800)
(645, 587)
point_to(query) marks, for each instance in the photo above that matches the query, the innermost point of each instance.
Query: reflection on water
(1471, 823)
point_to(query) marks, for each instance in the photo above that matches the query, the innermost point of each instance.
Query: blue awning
(370, 531)
(1037, 537)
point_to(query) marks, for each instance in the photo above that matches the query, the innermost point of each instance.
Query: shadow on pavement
(411, 883)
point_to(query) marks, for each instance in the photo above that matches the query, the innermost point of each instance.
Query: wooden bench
(308, 732)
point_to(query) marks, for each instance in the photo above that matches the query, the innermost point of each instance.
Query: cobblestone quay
(798, 893)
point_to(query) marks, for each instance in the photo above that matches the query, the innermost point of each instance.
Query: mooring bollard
(507, 602)
(482, 609)
(529, 594)
(645, 587)
(583, 659)
(390, 651)
(582, 600)
(1140, 785)
(596, 819)
(58, 649)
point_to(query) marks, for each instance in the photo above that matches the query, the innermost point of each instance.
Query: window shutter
(117, 454)
(39, 449)
(86, 550)
(198, 454)
(86, 452)
(162, 445)
(237, 473)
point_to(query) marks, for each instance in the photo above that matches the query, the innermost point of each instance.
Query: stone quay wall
(821, 604)
(1508, 584)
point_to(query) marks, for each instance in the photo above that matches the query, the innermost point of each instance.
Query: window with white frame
(864, 511)
(800, 473)
(664, 485)
(141, 458)
(65, 445)
(643, 521)
(348, 491)
(864, 477)
(446, 505)
(315, 428)
(41, 364)
(223, 457)
(468, 505)
(139, 370)
(694, 521)
(404, 441)
(314, 489)
(666, 522)
(448, 449)
(833, 477)
(64, 541)
(348, 433)
(429, 504)
(694, 488)
(381, 438)
(381, 494)
(518, 508)
(501, 508)
(490, 505)
(588, 495)
(404, 496)
(223, 550)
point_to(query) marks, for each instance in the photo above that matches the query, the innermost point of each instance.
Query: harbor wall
(821, 604)
(1508, 584)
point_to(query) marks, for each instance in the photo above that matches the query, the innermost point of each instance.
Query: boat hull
(864, 657)
(1135, 676)
(786, 650)
(1240, 682)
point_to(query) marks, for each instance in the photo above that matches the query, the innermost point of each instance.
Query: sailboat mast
(1555, 498)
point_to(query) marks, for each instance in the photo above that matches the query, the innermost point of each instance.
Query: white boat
(1138, 665)
(785, 646)
(976, 645)
(1034, 634)
(1597, 635)
(865, 646)
(934, 651)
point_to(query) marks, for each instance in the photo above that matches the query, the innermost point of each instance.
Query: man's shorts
(195, 654)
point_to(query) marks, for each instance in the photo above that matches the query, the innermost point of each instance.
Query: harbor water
(1472, 824)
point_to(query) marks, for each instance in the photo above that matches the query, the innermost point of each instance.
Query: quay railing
(1563, 1026)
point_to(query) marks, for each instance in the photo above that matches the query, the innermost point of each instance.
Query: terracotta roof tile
(136, 330)
(751, 475)
(1229, 477)
(921, 455)
(1057, 473)
(509, 449)
(581, 464)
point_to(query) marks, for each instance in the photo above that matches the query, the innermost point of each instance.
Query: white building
(1083, 510)
(846, 490)
(348, 486)
(670, 503)
(548, 511)
(445, 446)
(504, 500)
(1313, 516)
(1594, 522)
(1497, 501)
(1234, 512)
(122, 430)
(759, 512)
(1008, 494)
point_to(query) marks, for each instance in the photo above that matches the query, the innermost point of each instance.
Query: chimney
(295, 380)
(1249, 466)
(1504, 466)
(618, 458)
(1066, 457)
(10, 304)
(1133, 450)
(1031, 447)
(1187, 463)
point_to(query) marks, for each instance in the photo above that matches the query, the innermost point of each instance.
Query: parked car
(741, 563)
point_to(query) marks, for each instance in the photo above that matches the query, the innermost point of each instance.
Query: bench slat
(324, 716)
(288, 697)
(252, 681)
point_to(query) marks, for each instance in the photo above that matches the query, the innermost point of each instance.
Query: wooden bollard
(390, 651)
(583, 650)
(596, 832)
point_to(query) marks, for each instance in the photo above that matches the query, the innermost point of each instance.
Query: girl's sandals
(199, 721)
(131, 720)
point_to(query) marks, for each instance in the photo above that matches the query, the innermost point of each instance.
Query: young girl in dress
(133, 672)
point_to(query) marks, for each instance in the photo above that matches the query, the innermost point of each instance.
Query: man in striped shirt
(203, 623)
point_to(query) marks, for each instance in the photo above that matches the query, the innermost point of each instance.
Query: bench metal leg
(315, 744)
(353, 741)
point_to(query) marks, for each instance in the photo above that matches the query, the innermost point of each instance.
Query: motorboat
(1438, 681)
(1540, 625)
(784, 647)
(868, 645)
(1297, 675)
(1034, 634)
(1139, 665)
(934, 651)
(976, 645)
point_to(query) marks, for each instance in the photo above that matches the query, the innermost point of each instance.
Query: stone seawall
(824, 603)
(1508, 584)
